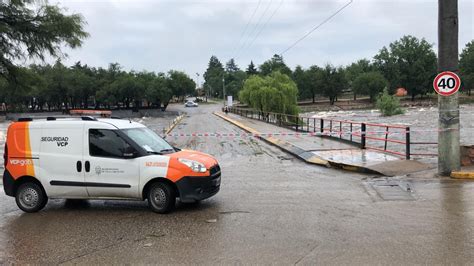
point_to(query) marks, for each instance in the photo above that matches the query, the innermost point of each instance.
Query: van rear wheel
(161, 197)
(30, 197)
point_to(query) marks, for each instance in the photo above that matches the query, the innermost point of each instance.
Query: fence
(393, 139)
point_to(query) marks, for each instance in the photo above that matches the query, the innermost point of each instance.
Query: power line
(316, 27)
(256, 26)
(246, 26)
(265, 24)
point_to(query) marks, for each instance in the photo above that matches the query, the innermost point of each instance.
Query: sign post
(449, 158)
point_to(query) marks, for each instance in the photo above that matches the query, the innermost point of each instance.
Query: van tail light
(5, 156)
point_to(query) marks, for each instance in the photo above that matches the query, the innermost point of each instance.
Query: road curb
(462, 175)
(281, 144)
(175, 122)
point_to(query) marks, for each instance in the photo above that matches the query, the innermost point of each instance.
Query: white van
(89, 158)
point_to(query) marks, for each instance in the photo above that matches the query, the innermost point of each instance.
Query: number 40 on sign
(446, 83)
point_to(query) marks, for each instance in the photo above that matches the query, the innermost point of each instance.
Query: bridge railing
(393, 139)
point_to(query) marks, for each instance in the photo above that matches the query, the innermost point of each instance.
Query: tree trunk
(313, 94)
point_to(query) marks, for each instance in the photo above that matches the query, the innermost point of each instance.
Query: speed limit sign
(446, 83)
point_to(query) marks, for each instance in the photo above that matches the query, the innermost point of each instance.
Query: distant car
(190, 104)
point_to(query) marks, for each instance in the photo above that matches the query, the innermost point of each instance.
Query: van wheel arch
(159, 180)
(25, 179)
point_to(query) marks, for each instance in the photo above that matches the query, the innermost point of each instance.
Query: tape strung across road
(297, 134)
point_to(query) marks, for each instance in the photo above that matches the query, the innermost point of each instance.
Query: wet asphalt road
(272, 209)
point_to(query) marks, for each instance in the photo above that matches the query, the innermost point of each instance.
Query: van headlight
(195, 166)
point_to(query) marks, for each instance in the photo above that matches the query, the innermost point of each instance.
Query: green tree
(276, 63)
(128, 89)
(273, 93)
(57, 85)
(158, 91)
(180, 84)
(234, 78)
(21, 94)
(370, 83)
(251, 69)
(301, 78)
(106, 93)
(466, 66)
(80, 83)
(409, 63)
(315, 76)
(355, 69)
(28, 30)
(213, 77)
(333, 82)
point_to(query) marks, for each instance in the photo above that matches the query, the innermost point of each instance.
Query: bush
(388, 104)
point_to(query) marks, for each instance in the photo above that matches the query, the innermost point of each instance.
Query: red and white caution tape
(296, 134)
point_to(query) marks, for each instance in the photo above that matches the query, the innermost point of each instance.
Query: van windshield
(148, 140)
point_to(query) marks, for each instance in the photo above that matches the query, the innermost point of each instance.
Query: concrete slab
(355, 156)
(400, 167)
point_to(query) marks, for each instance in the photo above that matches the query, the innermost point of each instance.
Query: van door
(61, 168)
(108, 173)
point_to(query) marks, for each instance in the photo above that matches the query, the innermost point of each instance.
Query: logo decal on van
(155, 164)
(98, 170)
(21, 162)
(60, 141)
(108, 170)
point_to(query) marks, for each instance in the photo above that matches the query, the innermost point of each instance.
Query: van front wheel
(161, 197)
(30, 197)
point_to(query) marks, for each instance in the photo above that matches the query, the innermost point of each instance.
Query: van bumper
(196, 188)
(8, 183)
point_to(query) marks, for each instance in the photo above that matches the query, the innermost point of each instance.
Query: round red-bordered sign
(446, 83)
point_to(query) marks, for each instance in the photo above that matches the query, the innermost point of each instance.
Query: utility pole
(223, 86)
(448, 123)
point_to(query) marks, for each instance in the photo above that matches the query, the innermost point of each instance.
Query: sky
(182, 35)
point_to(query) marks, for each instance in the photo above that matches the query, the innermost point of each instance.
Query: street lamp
(197, 85)
(223, 86)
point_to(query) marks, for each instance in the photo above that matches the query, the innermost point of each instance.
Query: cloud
(182, 35)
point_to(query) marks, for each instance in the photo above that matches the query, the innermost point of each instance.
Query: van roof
(118, 123)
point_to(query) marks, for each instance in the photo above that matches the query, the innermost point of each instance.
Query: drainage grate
(392, 190)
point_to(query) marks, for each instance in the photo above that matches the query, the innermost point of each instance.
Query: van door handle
(87, 166)
(79, 166)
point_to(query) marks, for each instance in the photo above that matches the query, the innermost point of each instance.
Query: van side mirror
(129, 153)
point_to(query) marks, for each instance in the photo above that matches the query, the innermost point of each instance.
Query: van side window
(107, 143)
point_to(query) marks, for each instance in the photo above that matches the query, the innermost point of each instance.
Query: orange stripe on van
(177, 170)
(30, 168)
(19, 158)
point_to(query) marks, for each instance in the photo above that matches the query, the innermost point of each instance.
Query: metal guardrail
(364, 135)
